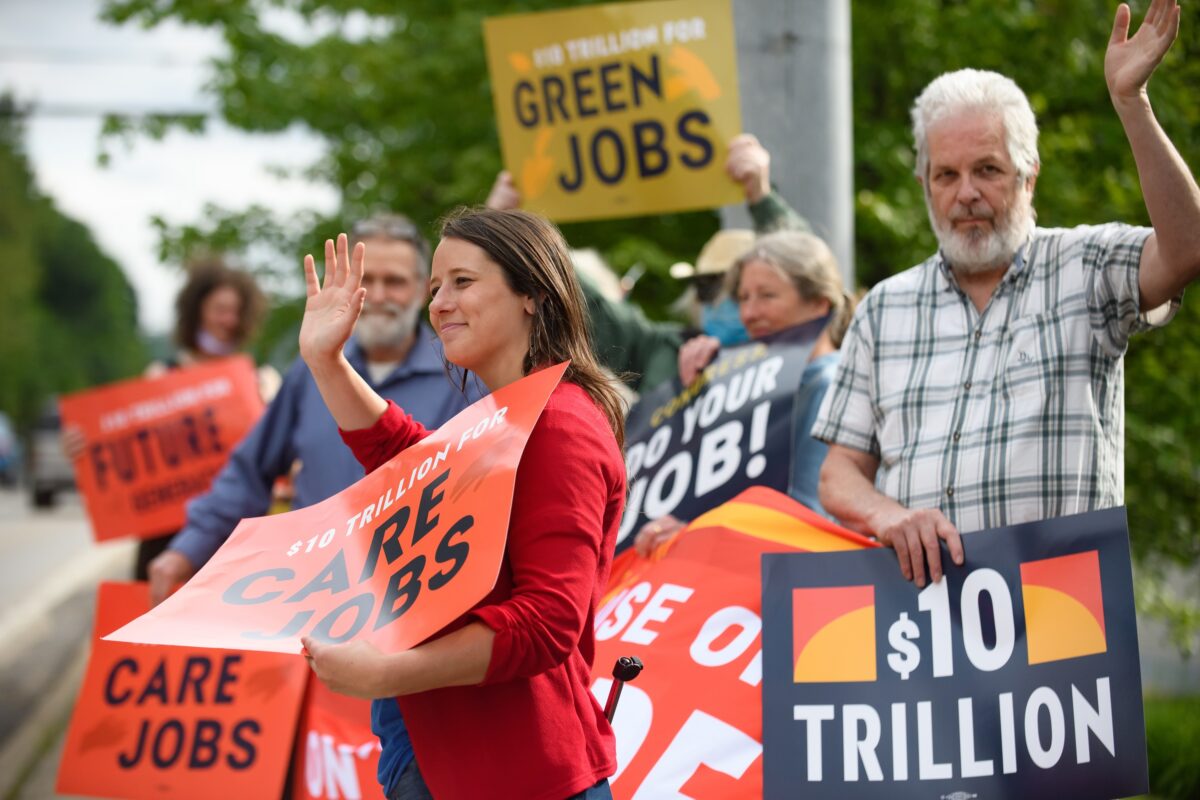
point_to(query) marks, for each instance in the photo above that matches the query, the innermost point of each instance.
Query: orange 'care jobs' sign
(392, 559)
(173, 722)
(154, 443)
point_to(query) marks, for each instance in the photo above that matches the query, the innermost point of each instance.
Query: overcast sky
(74, 67)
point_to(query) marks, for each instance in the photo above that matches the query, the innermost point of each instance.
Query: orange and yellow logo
(1064, 607)
(833, 634)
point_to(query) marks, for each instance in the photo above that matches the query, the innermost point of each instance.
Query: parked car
(10, 452)
(50, 472)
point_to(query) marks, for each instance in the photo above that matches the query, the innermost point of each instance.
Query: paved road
(32, 542)
(49, 569)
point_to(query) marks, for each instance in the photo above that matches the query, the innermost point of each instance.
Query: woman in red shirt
(497, 705)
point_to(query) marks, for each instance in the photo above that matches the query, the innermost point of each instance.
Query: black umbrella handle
(626, 669)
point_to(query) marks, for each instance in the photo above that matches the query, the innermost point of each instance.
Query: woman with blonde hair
(788, 288)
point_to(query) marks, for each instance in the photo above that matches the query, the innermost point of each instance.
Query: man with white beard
(985, 386)
(392, 348)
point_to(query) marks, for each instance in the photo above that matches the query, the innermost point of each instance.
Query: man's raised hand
(1131, 60)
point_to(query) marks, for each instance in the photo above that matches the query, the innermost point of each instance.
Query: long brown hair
(536, 263)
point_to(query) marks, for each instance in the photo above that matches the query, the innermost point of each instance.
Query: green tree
(19, 318)
(407, 118)
(68, 316)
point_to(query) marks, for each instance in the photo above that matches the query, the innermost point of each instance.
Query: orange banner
(154, 443)
(167, 722)
(691, 724)
(336, 752)
(392, 559)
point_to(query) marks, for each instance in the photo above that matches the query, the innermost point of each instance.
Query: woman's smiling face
(483, 324)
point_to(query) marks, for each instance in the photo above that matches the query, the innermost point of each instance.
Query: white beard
(978, 251)
(386, 325)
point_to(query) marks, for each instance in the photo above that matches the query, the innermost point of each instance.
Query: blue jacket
(808, 453)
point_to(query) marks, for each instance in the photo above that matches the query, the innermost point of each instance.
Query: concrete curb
(22, 627)
(25, 749)
(33, 616)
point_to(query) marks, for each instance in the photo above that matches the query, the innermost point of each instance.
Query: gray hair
(811, 267)
(978, 90)
(395, 227)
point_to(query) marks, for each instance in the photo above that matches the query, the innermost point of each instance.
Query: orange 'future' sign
(154, 443)
(392, 559)
(169, 722)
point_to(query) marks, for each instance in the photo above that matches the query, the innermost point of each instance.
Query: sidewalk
(50, 572)
(47, 735)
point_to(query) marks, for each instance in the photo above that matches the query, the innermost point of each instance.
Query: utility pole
(794, 80)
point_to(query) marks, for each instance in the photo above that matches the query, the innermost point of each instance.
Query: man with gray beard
(399, 356)
(985, 387)
(392, 348)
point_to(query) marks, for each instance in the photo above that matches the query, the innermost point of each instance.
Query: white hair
(977, 90)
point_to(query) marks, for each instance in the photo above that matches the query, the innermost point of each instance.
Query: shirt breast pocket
(1033, 365)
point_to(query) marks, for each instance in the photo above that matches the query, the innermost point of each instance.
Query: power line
(70, 111)
(53, 55)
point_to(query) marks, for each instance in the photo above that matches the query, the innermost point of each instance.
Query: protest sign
(688, 450)
(169, 722)
(691, 724)
(336, 752)
(1006, 678)
(392, 559)
(617, 110)
(154, 443)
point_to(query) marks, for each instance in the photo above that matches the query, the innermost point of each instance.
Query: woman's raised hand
(332, 309)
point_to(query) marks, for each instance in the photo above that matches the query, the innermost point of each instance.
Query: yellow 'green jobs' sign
(617, 110)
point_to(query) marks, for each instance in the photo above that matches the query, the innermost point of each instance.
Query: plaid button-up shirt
(1005, 416)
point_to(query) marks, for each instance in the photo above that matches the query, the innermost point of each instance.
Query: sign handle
(626, 669)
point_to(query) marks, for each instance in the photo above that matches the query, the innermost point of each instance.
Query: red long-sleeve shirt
(532, 730)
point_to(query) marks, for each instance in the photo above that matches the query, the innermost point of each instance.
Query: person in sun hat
(644, 352)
